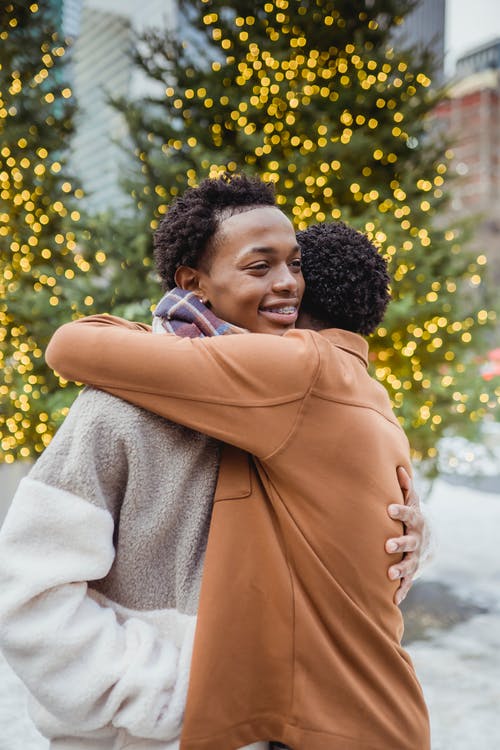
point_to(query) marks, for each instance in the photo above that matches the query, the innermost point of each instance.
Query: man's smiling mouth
(282, 313)
(285, 310)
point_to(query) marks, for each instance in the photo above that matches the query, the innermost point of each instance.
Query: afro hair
(346, 277)
(185, 236)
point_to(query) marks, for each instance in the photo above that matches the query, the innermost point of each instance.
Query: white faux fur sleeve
(77, 659)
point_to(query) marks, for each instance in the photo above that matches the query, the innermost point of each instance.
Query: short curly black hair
(346, 277)
(186, 232)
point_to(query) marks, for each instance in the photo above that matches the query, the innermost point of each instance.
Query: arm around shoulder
(244, 390)
(60, 352)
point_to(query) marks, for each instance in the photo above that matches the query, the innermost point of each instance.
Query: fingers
(407, 488)
(404, 480)
(410, 545)
(406, 568)
(409, 515)
(407, 543)
(402, 591)
(405, 572)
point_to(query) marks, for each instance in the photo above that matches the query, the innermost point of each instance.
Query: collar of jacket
(351, 342)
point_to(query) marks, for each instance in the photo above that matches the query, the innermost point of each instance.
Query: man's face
(255, 279)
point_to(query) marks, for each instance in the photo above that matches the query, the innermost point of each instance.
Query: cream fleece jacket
(101, 556)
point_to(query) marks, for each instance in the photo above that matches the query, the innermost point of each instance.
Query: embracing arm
(83, 664)
(216, 386)
(245, 390)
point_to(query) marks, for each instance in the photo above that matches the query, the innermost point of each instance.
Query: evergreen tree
(317, 97)
(38, 257)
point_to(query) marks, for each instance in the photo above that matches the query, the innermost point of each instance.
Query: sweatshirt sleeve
(246, 390)
(82, 664)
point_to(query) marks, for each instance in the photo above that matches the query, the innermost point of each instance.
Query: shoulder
(272, 367)
(91, 453)
(303, 339)
(104, 417)
(95, 427)
(294, 354)
(94, 403)
(97, 410)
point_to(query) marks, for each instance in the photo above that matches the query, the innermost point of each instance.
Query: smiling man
(252, 274)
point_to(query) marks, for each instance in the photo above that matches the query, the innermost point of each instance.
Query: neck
(306, 320)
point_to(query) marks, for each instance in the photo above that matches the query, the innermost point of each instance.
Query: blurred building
(424, 28)
(471, 116)
(485, 57)
(101, 66)
(70, 16)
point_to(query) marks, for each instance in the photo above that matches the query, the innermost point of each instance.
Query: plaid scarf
(184, 314)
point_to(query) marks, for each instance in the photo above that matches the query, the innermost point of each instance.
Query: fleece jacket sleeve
(246, 389)
(80, 662)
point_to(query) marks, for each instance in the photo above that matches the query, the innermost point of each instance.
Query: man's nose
(285, 280)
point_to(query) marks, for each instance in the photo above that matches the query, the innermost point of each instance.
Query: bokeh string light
(317, 98)
(38, 216)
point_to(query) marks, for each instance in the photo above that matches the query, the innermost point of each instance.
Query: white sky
(469, 23)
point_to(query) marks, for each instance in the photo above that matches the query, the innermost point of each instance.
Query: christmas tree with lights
(318, 98)
(38, 257)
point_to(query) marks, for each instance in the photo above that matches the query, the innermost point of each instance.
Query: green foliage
(318, 98)
(37, 259)
(122, 281)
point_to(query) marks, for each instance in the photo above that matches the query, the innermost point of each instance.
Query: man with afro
(190, 233)
(347, 283)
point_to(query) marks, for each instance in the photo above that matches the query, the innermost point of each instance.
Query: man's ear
(188, 278)
(191, 280)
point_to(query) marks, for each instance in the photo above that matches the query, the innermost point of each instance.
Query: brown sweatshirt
(298, 638)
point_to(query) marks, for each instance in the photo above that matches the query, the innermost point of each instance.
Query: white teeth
(280, 310)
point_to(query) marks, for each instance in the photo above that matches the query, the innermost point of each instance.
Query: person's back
(338, 470)
(326, 654)
(344, 680)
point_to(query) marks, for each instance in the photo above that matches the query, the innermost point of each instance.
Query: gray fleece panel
(156, 478)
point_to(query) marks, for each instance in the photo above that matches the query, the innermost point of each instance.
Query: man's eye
(259, 267)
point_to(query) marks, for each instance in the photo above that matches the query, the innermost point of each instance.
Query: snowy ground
(459, 666)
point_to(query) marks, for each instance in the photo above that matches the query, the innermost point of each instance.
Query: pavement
(452, 632)
(453, 618)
